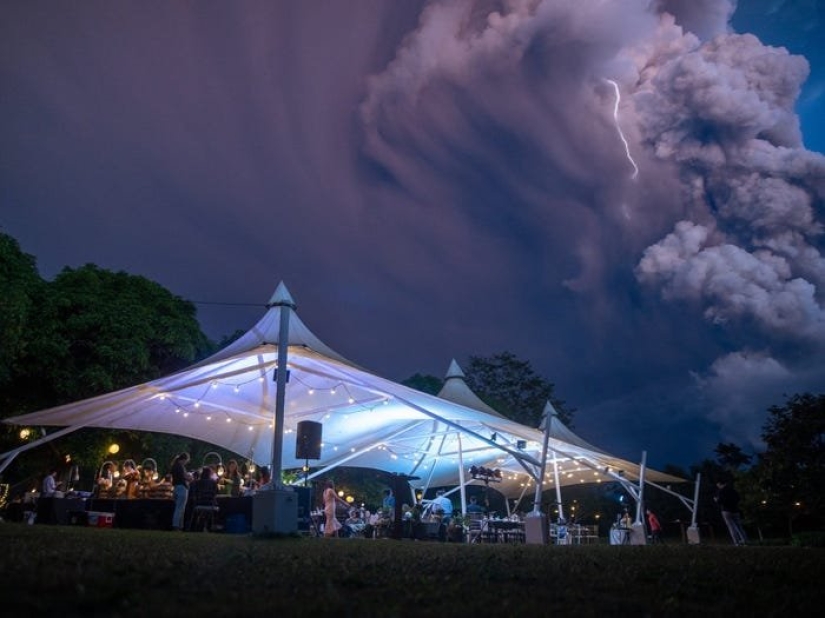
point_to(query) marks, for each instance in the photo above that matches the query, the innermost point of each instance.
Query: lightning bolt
(619, 128)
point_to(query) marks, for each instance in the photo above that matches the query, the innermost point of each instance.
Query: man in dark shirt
(474, 506)
(204, 494)
(728, 500)
(180, 489)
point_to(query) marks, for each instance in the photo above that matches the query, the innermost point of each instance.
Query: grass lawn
(74, 571)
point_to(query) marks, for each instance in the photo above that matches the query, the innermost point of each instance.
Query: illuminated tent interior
(368, 421)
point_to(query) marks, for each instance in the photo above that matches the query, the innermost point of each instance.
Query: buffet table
(156, 514)
(140, 513)
(58, 510)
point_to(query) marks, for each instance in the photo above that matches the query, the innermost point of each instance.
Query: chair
(475, 526)
(590, 534)
(205, 504)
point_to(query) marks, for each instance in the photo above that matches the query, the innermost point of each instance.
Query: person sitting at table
(232, 481)
(354, 524)
(413, 526)
(381, 522)
(265, 479)
(203, 494)
(131, 477)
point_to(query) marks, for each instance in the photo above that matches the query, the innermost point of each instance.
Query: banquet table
(140, 513)
(58, 510)
(502, 531)
(620, 536)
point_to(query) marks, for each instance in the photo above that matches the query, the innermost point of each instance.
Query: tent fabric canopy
(228, 400)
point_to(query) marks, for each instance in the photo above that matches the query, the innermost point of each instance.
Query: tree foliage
(731, 456)
(424, 383)
(87, 332)
(97, 331)
(22, 290)
(782, 488)
(791, 471)
(512, 387)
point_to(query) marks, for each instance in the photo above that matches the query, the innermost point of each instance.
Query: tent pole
(461, 475)
(286, 305)
(640, 499)
(693, 530)
(695, 500)
(543, 468)
(558, 485)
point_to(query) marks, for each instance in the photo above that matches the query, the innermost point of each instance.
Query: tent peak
(454, 371)
(281, 297)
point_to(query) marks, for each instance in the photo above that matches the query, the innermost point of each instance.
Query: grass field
(73, 571)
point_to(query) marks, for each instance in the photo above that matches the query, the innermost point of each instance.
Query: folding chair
(475, 526)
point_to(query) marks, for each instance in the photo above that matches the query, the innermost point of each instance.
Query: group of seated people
(426, 519)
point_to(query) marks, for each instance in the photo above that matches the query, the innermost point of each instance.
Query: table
(234, 514)
(139, 513)
(502, 531)
(58, 510)
(620, 536)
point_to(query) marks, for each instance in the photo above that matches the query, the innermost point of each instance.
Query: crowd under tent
(230, 400)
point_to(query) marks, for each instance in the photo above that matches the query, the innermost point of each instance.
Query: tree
(99, 331)
(22, 289)
(791, 471)
(424, 383)
(88, 332)
(730, 456)
(511, 386)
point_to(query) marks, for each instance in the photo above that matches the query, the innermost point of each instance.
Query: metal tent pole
(286, 304)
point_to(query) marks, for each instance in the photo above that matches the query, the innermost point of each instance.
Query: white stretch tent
(368, 421)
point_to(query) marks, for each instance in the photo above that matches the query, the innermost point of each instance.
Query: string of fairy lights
(201, 406)
(348, 402)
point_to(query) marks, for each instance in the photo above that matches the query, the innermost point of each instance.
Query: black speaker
(308, 440)
(304, 507)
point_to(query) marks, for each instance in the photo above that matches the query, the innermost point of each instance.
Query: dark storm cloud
(515, 104)
(443, 179)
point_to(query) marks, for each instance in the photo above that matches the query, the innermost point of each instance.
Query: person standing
(443, 505)
(654, 526)
(49, 484)
(728, 500)
(331, 523)
(180, 491)
(474, 506)
(388, 503)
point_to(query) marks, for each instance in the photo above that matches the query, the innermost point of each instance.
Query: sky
(435, 180)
